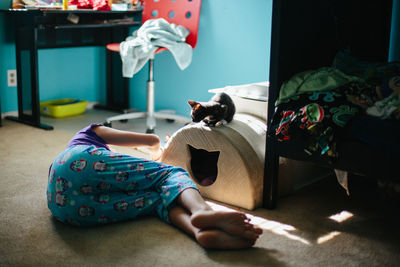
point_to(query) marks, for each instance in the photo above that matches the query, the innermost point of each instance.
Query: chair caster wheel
(150, 131)
(170, 120)
(107, 124)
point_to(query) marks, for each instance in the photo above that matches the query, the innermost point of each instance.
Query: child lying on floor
(90, 185)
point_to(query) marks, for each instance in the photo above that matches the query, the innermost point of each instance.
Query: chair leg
(151, 120)
(127, 116)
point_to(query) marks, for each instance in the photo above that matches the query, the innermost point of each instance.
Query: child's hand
(156, 153)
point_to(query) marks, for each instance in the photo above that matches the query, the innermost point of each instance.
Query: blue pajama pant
(89, 186)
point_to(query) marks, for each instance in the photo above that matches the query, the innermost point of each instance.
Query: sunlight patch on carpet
(341, 216)
(327, 237)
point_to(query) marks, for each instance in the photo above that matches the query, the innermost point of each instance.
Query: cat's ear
(194, 104)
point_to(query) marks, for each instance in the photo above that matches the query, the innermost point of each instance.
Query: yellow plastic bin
(61, 108)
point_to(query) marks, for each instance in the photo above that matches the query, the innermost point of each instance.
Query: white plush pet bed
(240, 165)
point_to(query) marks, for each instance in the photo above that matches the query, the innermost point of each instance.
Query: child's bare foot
(235, 224)
(217, 239)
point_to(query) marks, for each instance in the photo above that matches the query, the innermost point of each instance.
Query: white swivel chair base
(150, 120)
(150, 114)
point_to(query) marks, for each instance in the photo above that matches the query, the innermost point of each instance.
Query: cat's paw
(219, 123)
(210, 123)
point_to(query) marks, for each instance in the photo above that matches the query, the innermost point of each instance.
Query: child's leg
(212, 229)
(191, 200)
(180, 217)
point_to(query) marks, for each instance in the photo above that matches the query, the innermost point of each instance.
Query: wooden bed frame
(306, 35)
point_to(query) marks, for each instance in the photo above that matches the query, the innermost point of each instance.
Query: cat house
(227, 162)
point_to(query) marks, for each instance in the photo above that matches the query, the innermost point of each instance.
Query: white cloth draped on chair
(137, 49)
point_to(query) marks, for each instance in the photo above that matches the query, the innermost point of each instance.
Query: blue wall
(394, 53)
(233, 48)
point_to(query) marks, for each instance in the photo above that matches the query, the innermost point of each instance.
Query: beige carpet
(298, 233)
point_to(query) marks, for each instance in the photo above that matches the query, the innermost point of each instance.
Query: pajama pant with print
(89, 186)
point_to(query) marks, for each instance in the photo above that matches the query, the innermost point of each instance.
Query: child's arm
(130, 139)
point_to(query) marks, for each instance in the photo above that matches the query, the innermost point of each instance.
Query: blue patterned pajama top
(89, 184)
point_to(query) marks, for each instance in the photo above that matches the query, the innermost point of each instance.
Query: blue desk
(44, 28)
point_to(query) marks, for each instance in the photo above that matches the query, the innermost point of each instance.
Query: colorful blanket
(315, 107)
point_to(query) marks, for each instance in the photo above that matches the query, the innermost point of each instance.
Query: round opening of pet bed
(204, 166)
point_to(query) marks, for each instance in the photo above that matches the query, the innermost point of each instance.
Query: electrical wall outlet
(12, 78)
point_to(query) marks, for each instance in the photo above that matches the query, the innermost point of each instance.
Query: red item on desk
(84, 4)
(101, 5)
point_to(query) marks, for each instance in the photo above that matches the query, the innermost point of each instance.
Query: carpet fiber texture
(300, 232)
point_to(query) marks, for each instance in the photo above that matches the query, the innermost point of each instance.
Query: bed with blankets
(346, 116)
(333, 96)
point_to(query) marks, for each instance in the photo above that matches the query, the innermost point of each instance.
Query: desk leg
(117, 86)
(27, 78)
